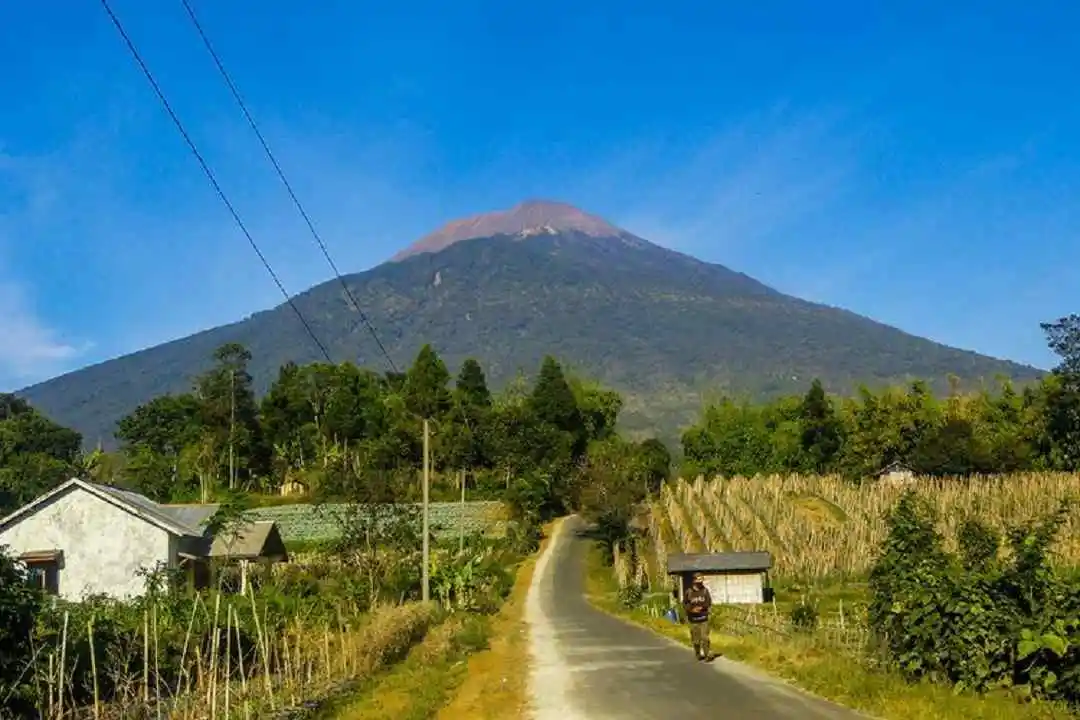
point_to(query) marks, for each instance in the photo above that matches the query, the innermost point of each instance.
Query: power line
(210, 175)
(284, 180)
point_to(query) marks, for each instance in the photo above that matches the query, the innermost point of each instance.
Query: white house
(87, 539)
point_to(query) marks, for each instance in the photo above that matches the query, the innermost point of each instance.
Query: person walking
(697, 602)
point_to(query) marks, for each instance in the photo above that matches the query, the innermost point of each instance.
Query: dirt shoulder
(496, 683)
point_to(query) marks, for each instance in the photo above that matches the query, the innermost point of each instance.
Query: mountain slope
(659, 325)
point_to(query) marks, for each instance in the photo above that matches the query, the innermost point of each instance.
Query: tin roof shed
(720, 563)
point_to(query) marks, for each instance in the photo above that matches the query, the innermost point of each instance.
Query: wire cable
(210, 175)
(284, 180)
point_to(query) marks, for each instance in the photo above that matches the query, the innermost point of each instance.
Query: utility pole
(461, 517)
(425, 573)
(232, 427)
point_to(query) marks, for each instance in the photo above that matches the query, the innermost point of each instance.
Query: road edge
(722, 664)
(548, 686)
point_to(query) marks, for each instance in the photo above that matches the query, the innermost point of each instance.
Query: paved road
(589, 665)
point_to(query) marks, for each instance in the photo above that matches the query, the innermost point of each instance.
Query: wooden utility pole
(461, 517)
(232, 428)
(425, 572)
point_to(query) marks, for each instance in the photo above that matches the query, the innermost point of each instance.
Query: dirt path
(587, 665)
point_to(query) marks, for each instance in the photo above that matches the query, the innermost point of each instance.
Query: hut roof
(756, 561)
(249, 542)
(896, 466)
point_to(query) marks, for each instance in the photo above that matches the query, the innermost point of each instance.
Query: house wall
(736, 589)
(104, 546)
(898, 477)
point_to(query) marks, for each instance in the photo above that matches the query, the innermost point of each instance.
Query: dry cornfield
(820, 527)
(286, 668)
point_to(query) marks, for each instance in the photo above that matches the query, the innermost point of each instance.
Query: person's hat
(699, 577)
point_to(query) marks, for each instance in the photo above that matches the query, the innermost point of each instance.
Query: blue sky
(914, 162)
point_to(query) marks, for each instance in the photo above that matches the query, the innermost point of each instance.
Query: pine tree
(426, 394)
(471, 385)
(821, 429)
(552, 401)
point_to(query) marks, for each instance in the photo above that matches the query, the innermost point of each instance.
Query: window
(43, 569)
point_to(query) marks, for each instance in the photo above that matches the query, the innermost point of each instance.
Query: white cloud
(30, 350)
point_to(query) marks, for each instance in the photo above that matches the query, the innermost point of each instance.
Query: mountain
(509, 287)
(530, 218)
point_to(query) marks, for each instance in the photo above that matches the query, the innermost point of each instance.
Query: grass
(496, 685)
(469, 667)
(418, 687)
(815, 664)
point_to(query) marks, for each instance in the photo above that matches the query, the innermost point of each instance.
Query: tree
(465, 438)
(510, 439)
(598, 408)
(25, 430)
(461, 443)
(610, 486)
(471, 385)
(36, 454)
(559, 437)
(732, 439)
(821, 430)
(951, 449)
(656, 463)
(288, 417)
(552, 401)
(1063, 338)
(158, 477)
(426, 394)
(994, 430)
(164, 425)
(230, 414)
(1063, 394)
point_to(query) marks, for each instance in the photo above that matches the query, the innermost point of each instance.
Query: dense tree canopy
(36, 454)
(993, 431)
(338, 430)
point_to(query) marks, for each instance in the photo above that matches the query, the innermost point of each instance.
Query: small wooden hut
(733, 578)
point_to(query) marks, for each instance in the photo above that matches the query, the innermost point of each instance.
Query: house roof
(138, 505)
(192, 516)
(150, 510)
(254, 540)
(756, 561)
(895, 466)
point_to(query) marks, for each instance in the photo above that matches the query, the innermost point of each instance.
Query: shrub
(18, 606)
(804, 617)
(969, 618)
(631, 595)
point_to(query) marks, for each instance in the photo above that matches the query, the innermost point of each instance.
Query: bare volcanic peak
(533, 217)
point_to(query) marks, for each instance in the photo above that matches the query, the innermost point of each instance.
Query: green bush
(976, 619)
(804, 617)
(631, 595)
(19, 605)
